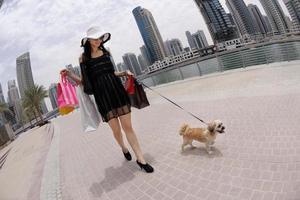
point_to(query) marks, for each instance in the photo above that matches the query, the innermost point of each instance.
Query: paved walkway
(257, 158)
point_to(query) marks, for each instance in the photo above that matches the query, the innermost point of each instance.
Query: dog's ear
(211, 127)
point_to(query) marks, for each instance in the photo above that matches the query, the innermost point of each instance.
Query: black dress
(110, 95)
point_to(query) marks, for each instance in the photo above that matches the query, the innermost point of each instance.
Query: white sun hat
(95, 33)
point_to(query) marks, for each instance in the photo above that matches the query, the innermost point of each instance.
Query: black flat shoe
(127, 156)
(146, 167)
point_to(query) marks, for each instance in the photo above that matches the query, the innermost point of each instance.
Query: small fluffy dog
(205, 135)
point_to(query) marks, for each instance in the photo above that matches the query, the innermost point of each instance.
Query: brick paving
(22, 172)
(257, 158)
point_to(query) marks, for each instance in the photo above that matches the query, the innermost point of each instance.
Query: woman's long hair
(87, 51)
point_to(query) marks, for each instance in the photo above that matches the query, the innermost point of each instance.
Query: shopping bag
(129, 85)
(139, 98)
(67, 100)
(90, 118)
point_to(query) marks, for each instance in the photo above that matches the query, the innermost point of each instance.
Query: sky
(51, 30)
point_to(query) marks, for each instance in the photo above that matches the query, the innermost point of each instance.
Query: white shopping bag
(90, 118)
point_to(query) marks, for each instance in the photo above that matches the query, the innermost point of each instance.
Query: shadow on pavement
(201, 151)
(116, 176)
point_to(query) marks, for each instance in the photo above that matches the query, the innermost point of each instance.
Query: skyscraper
(1, 2)
(258, 18)
(190, 40)
(173, 47)
(14, 99)
(242, 17)
(44, 107)
(200, 39)
(146, 55)
(218, 22)
(142, 62)
(196, 40)
(150, 34)
(53, 95)
(18, 110)
(131, 63)
(121, 67)
(2, 100)
(293, 7)
(71, 68)
(77, 71)
(24, 73)
(268, 24)
(13, 94)
(231, 18)
(11, 83)
(276, 16)
(289, 22)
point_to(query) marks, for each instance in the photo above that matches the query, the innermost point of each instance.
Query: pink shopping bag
(66, 96)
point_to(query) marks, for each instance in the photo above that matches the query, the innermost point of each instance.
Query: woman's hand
(129, 73)
(65, 72)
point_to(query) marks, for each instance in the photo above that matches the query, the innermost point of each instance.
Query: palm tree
(3, 108)
(29, 114)
(33, 98)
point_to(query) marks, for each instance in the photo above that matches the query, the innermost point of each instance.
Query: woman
(110, 95)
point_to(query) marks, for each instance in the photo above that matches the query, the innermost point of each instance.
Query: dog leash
(174, 103)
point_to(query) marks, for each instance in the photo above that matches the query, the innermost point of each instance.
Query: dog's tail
(184, 129)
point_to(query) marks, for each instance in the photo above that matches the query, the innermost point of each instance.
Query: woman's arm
(120, 74)
(124, 73)
(71, 75)
(76, 78)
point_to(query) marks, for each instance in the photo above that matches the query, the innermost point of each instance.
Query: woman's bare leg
(116, 129)
(131, 137)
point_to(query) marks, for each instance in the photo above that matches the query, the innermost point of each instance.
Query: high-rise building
(200, 39)
(289, 22)
(150, 34)
(187, 49)
(53, 95)
(276, 16)
(293, 7)
(121, 67)
(190, 40)
(131, 63)
(18, 110)
(196, 40)
(268, 24)
(72, 69)
(258, 18)
(14, 101)
(173, 47)
(242, 18)
(146, 55)
(217, 20)
(11, 83)
(142, 63)
(231, 18)
(1, 2)
(44, 107)
(24, 73)
(12, 93)
(2, 100)
(77, 71)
